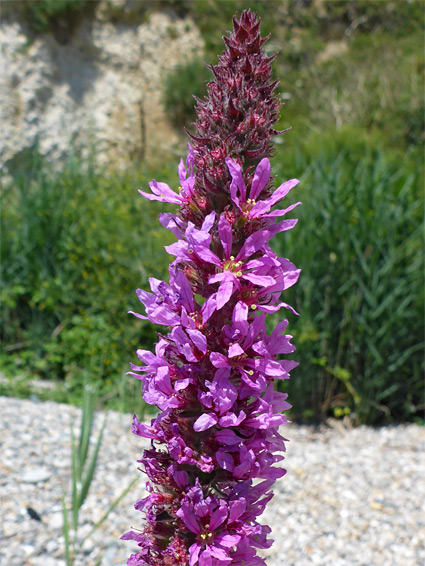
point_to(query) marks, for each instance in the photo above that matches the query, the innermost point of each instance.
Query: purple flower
(249, 207)
(163, 193)
(221, 393)
(233, 271)
(215, 446)
(207, 519)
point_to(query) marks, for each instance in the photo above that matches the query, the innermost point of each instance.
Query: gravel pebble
(35, 475)
(351, 497)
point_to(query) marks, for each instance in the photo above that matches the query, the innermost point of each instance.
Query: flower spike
(215, 443)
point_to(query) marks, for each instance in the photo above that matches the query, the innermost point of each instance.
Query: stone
(46, 560)
(305, 514)
(101, 91)
(35, 475)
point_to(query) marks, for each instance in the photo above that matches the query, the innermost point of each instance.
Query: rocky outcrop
(101, 91)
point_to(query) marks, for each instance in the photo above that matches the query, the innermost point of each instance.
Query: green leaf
(76, 479)
(65, 527)
(86, 424)
(89, 471)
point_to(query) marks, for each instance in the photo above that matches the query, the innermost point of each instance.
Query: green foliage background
(361, 296)
(75, 244)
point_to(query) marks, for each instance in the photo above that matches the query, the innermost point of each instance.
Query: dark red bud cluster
(237, 117)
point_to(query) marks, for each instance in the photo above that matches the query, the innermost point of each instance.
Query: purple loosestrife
(216, 442)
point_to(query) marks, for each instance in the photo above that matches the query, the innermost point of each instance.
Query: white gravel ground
(351, 497)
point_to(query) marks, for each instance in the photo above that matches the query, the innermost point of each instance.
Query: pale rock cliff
(102, 90)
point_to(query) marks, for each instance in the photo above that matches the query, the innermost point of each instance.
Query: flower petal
(231, 419)
(208, 222)
(198, 339)
(235, 350)
(225, 233)
(162, 192)
(219, 360)
(237, 181)
(227, 540)
(225, 290)
(275, 308)
(208, 308)
(240, 317)
(282, 212)
(261, 177)
(143, 317)
(188, 516)
(228, 437)
(205, 421)
(261, 280)
(236, 509)
(218, 517)
(253, 243)
(194, 551)
(207, 255)
(225, 461)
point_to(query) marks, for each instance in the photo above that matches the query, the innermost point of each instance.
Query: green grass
(75, 245)
(372, 78)
(360, 337)
(180, 106)
(376, 85)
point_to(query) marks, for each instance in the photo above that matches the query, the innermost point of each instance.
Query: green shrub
(361, 296)
(61, 17)
(396, 17)
(180, 86)
(371, 78)
(373, 83)
(43, 13)
(75, 245)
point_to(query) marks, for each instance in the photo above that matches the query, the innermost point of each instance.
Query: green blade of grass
(76, 474)
(65, 528)
(86, 424)
(89, 472)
